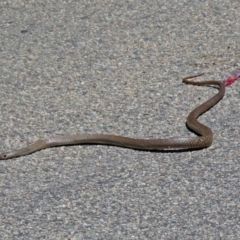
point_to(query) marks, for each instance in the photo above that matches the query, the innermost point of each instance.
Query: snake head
(6, 155)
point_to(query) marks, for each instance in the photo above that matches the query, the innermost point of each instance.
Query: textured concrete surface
(116, 67)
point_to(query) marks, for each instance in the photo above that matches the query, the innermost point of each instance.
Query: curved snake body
(204, 140)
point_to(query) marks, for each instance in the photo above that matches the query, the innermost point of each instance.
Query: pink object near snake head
(235, 75)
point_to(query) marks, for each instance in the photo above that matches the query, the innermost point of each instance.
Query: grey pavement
(116, 67)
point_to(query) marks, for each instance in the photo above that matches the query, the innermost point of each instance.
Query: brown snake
(204, 139)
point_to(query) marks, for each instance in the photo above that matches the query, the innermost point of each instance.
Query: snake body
(204, 139)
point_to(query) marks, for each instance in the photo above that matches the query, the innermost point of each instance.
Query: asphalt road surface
(116, 67)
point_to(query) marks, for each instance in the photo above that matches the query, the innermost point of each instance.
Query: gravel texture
(116, 67)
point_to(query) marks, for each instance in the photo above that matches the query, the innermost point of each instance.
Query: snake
(203, 138)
